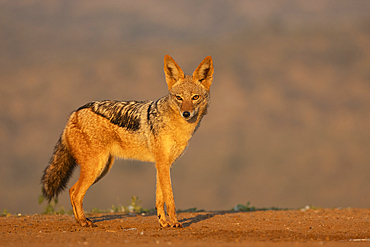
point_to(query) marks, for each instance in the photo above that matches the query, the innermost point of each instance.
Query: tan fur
(154, 131)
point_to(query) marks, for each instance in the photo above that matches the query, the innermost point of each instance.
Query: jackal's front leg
(159, 205)
(164, 194)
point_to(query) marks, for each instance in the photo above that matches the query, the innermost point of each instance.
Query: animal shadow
(186, 222)
(108, 217)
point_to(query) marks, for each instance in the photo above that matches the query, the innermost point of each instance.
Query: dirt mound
(329, 226)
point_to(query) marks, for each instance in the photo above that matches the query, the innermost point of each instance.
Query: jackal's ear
(204, 72)
(173, 72)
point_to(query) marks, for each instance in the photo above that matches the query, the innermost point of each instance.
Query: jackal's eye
(195, 97)
(178, 97)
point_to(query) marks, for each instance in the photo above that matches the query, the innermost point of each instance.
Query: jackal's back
(125, 114)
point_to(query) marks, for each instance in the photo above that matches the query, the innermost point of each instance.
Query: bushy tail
(58, 172)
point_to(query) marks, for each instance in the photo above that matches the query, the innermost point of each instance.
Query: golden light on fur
(155, 131)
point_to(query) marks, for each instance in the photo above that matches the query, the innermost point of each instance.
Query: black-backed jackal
(155, 131)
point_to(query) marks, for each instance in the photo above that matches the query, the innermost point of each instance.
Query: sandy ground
(329, 227)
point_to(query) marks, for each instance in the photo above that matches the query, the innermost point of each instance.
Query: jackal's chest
(178, 137)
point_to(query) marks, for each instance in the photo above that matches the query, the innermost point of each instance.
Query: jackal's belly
(132, 150)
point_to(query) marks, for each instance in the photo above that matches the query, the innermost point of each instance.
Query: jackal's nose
(186, 114)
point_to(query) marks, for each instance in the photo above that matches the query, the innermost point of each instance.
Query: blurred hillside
(289, 123)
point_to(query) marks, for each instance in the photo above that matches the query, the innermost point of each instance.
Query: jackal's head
(189, 93)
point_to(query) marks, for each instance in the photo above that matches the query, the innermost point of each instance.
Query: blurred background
(289, 122)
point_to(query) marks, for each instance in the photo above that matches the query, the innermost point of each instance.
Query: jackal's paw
(164, 223)
(176, 225)
(87, 222)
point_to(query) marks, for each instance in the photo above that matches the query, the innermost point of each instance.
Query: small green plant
(5, 213)
(248, 208)
(307, 207)
(117, 209)
(190, 210)
(135, 207)
(98, 210)
(50, 208)
(244, 208)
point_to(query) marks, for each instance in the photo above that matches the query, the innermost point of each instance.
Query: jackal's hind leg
(71, 192)
(107, 167)
(77, 193)
(89, 174)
